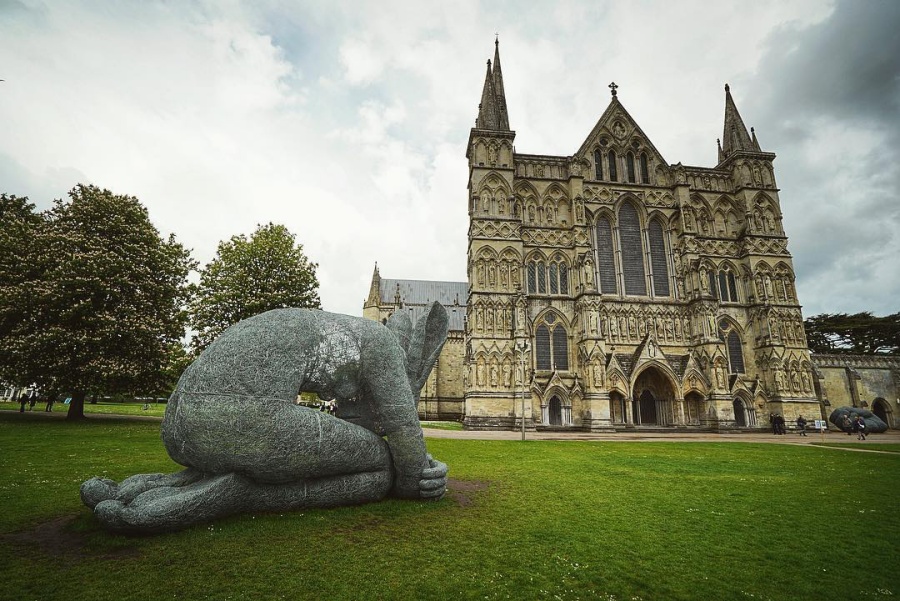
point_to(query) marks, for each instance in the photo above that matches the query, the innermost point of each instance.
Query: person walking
(860, 427)
(801, 425)
(846, 426)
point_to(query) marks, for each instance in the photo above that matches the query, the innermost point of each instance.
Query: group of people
(777, 421)
(854, 426)
(778, 424)
(32, 399)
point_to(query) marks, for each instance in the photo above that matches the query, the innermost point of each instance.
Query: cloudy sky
(347, 121)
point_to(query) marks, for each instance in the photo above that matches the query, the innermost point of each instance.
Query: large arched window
(598, 164)
(632, 251)
(551, 345)
(658, 260)
(613, 172)
(733, 344)
(606, 257)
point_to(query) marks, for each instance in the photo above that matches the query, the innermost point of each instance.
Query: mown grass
(886, 447)
(535, 520)
(153, 409)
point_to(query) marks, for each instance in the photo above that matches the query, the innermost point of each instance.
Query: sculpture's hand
(434, 480)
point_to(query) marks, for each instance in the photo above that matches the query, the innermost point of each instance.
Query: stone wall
(442, 396)
(870, 382)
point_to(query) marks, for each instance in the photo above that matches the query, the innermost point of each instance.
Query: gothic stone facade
(610, 289)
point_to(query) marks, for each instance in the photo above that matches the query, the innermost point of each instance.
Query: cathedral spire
(492, 110)
(734, 136)
(503, 118)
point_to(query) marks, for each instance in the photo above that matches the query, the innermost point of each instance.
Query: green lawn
(535, 520)
(107, 407)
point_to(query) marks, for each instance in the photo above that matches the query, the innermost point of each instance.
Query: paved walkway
(891, 436)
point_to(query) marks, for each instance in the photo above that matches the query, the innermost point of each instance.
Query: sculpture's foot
(97, 490)
(169, 508)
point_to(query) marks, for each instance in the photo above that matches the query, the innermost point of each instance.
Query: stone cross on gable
(612, 88)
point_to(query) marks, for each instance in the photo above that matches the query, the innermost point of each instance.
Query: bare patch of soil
(56, 539)
(462, 491)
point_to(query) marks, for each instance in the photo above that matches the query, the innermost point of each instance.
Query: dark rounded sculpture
(874, 424)
(233, 423)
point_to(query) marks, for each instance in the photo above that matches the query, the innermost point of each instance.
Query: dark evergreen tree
(858, 333)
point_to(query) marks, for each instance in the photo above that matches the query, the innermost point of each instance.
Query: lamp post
(523, 347)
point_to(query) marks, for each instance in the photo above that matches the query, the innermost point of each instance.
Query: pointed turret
(487, 110)
(734, 136)
(374, 289)
(499, 92)
(492, 110)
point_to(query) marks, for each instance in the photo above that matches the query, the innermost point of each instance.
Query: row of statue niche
(718, 184)
(779, 286)
(667, 327)
(498, 204)
(544, 215)
(763, 221)
(538, 170)
(493, 319)
(497, 275)
(496, 373)
(787, 329)
(792, 379)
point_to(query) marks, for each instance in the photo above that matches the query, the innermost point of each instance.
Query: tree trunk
(76, 406)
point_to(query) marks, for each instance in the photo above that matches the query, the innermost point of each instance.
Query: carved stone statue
(246, 446)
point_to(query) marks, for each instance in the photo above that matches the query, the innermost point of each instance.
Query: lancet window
(728, 333)
(551, 345)
(548, 278)
(723, 284)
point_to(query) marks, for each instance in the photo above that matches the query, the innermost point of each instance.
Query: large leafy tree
(103, 302)
(857, 333)
(251, 275)
(20, 227)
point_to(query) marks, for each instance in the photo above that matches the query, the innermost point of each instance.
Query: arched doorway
(555, 411)
(740, 413)
(882, 410)
(647, 409)
(654, 395)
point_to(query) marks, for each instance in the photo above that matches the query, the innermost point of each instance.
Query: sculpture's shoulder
(313, 320)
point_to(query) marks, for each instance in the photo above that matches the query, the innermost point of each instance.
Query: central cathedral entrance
(654, 399)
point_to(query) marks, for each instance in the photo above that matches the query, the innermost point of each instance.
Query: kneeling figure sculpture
(246, 446)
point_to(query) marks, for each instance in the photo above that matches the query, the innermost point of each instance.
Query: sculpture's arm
(416, 474)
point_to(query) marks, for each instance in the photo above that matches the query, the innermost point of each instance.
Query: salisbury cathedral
(610, 289)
